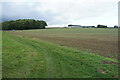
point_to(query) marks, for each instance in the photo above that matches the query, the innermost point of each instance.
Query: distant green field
(33, 54)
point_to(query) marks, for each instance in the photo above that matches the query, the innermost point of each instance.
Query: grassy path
(31, 58)
(48, 57)
(27, 65)
(35, 47)
(51, 59)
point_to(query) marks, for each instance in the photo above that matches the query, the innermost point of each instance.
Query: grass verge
(32, 58)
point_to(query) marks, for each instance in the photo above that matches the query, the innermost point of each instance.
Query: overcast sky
(63, 12)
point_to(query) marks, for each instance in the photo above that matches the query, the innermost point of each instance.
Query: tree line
(101, 26)
(23, 24)
(104, 26)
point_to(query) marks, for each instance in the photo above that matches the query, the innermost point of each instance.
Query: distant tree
(116, 26)
(93, 26)
(23, 24)
(101, 26)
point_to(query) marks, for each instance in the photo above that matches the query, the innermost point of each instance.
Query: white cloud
(63, 12)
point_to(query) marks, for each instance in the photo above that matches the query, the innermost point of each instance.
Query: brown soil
(107, 47)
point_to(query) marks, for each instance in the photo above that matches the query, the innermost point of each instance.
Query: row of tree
(104, 26)
(101, 26)
(23, 24)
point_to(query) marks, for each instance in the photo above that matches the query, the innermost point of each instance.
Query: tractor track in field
(49, 57)
(60, 65)
(50, 61)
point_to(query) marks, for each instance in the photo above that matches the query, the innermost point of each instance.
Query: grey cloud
(59, 12)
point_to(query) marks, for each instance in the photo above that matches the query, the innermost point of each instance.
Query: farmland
(60, 53)
(100, 41)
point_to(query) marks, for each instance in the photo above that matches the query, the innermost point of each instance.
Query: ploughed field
(60, 53)
(99, 41)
